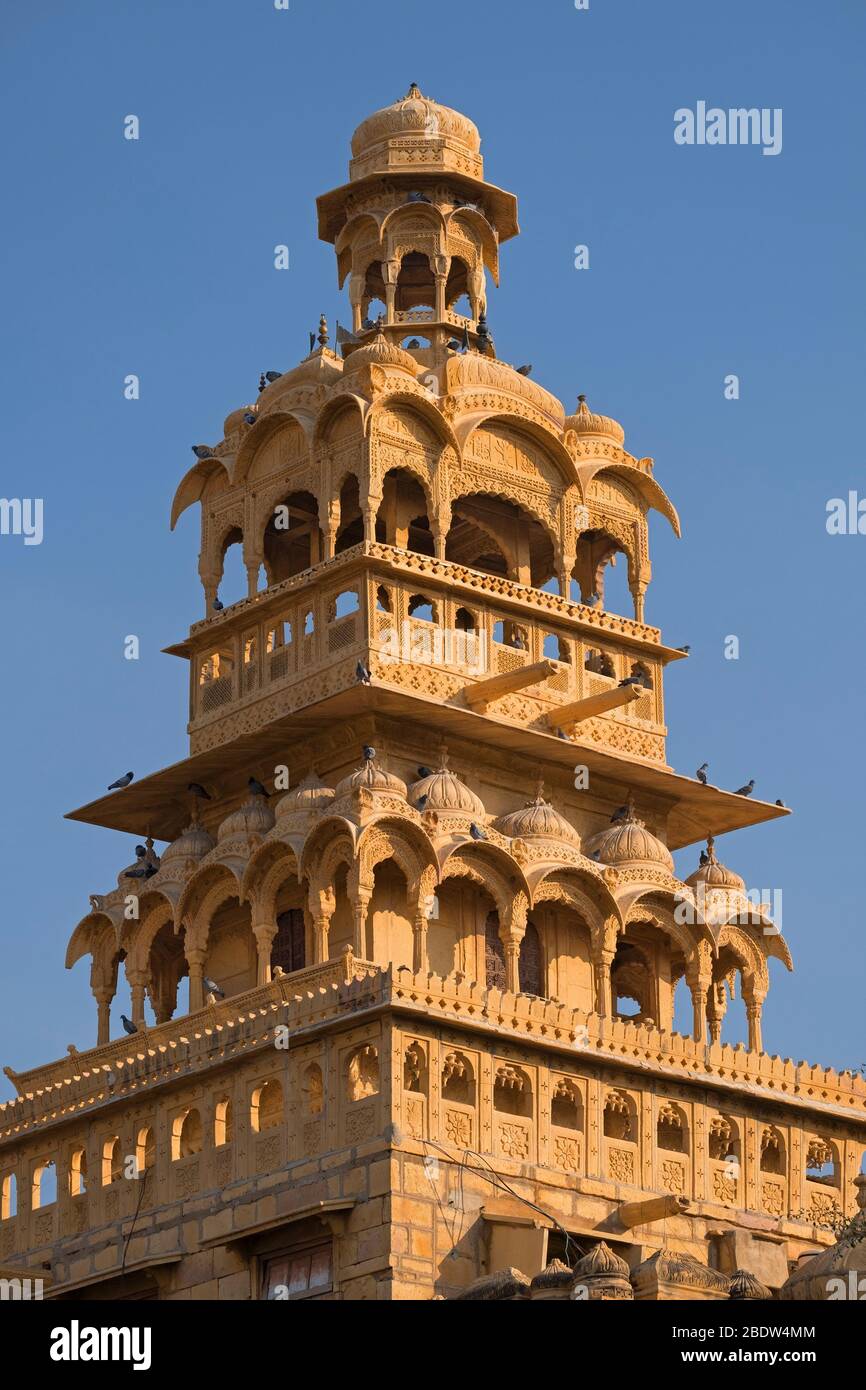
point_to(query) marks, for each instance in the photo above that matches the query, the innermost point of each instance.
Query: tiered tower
(405, 1020)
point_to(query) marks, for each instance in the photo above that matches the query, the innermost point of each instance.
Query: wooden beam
(578, 710)
(482, 693)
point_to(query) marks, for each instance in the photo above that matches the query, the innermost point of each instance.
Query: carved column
(753, 997)
(322, 905)
(195, 957)
(264, 934)
(103, 997)
(440, 297)
(390, 271)
(419, 944)
(356, 299)
(138, 983)
(603, 953)
(638, 592)
(252, 568)
(511, 933)
(211, 582)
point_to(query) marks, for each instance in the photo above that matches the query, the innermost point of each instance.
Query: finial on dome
(711, 849)
(414, 91)
(443, 756)
(539, 790)
(581, 401)
(323, 331)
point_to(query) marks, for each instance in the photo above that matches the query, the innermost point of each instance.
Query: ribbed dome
(372, 778)
(255, 817)
(555, 1275)
(584, 422)
(601, 1261)
(629, 842)
(192, 843)
(414, 115)
(445, 792)
(538, 820)
(715, 875)
(308, 795)
(380, 353)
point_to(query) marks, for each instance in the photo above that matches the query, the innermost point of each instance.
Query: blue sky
(156, 257)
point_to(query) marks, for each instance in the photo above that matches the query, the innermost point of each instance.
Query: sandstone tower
(405, 1022)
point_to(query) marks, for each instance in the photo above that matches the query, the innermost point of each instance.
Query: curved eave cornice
(638, 478)
(520, 414)
(192, 485)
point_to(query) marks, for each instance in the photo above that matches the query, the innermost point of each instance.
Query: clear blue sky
(155, 258)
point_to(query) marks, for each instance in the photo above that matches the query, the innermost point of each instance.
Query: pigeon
(596, 856)
(593, 600)
(780, 802)
(417, 198)
(464, 346)
(362, 674)
(145, 871)
(524, 370)
(421, 803)
(128, 1025)
(256, 787)
(746, 790)
(685, 649)
(198, 790)
(701, 774)
(368, 752)
(272, 377)
(249, 418)
(213, 988)
(424, 772)
(141, 851)
(453, 344)
(367, 324)
(217, 606)
(413, 343)
(704, 859)
(560, 733)
(476, 832)
(203, 451)
(312, 341)
(631, 680)
(123, 781)
(621, 813)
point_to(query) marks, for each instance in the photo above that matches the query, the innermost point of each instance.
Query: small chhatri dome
(255, 817)
(309, 795)
(629, 842)
(415, 117)
(192, 843)
(715, 875)
(446, 793)
(380, 353)
(370, 777)
(537, 819)
(555, 1275)
(585, 423)
(601, 1260)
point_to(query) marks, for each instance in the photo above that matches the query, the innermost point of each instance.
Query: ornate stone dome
(446, 793)
(255, 817)
(537, 819)
(591, 426)
(380, 353)
(412, 116)
(370, 777)
(601, 1261)
(309, 795)
(192, 843)
(715, 875)
(629, 842)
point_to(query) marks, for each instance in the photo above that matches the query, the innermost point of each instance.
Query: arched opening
(8, 1197)
(44, 1188)
(598, 663)
(415, 1068)
(288, 948)
(266, 1107)
(416, 285)
(78, 1173)
(389, 931)
(231, 951)
(619, 1116)
(112, 1161)
(491, 534)
(313, 1089)
(772, 1151)
(566, 1106)
(145, 1149)
(458, 1078)
(222, 1123)
(512, 1091)
(596, 572)
(186, 1135)
(457, 288)
(362, 1073)
(292, 539)
(351, 527)
(168, 966)
(671, 1134)
(530, 965)
(495, 974)
(631, 983)
(233, 581)
(822, 1162)
(402, 518)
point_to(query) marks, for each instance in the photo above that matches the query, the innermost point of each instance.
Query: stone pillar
(322, 904)
(195, 958)
(603, 996)
(103, 997)
(264, 934)
(252, 569)
(390, 271)
(360, 905)
(440, 298)
(138, 983)
(419, 944)
(638, 592)
(699, 987)
(754, 1008)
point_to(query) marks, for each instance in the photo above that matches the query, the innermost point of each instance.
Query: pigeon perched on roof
(128, 1025)
(416, 197)
(685, 649)
(413, 343)
(780, 802)
(746, 790)
(145, 871)
(256, 787)
(454, 344)
(203, 451)
(369, 753)
(198, 790)
(424, 772)
(525, 370)
(362, 674)
(123, 781)
(704, 859)
(271, 377)
(421, 803)
(701, 773)
(596, 856)
(621, 813)
(213, 988)
(476, 832)
(249, 418)
(218, 606)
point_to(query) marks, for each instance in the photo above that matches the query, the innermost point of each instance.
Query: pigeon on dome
(443, 791)
(712, 874)
(537, 819)
(626, 841)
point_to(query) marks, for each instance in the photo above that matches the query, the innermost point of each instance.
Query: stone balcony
(427, 627)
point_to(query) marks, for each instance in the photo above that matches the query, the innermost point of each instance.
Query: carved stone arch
(469, 220)
(348, 238)
(556, 468)
(407, 844)
(506, 491)
(155, 911)
(89, 937)
(651, 907)
(501, 875)
(270, 866)
(752, 962)
(643, 483)
(414, 403)
(267, 429)
(581, 890)
(206, 478)
(329, 844)
(332, 411)
(208, 888)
